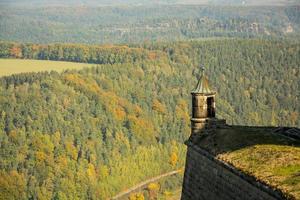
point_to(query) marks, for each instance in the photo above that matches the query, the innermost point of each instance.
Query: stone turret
(207, 175)
(203, 106)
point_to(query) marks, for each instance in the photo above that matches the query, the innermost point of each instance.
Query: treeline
(135, 24)
(92, 133)
(76, 53)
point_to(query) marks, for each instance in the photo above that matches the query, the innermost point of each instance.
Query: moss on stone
(271, 158)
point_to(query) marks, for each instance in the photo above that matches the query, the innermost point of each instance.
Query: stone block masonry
(207, 178)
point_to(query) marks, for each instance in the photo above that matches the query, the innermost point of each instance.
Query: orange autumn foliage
(173, 159)
(158, 106)
(119, 113)
(12, 185)
(16, 52)
(152, 55)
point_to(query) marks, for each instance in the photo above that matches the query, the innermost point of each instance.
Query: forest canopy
(81, 134)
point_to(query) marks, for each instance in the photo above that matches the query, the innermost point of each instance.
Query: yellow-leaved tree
(137, 196)
(153, 189)
(173, 159)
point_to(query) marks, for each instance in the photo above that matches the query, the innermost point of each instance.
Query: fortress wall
(207, 178)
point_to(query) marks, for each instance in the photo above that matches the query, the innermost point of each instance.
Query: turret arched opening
(210, 101)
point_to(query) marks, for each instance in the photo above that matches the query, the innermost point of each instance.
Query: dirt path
(145, 183)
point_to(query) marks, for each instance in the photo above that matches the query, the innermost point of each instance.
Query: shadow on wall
(233, 138)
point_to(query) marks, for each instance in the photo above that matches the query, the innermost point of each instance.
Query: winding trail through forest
(145, 183)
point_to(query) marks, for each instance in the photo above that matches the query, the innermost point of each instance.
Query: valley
(95, 97)
(80, 134)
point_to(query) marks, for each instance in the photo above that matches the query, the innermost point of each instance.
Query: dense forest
(82, 134)
(135, 24)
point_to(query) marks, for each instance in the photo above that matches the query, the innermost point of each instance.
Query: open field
(14, 66)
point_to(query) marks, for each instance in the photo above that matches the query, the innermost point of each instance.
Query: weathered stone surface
(206, 178)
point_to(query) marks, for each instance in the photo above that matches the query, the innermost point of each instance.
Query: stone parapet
(199, 125)
(207, 178)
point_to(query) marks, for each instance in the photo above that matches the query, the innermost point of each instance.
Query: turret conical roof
(202, 85)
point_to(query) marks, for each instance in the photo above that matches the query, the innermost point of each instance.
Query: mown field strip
(14, 66)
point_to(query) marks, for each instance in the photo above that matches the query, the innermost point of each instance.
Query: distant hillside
(135, 24)
(142, 2)
(82, 134)
(255, 2)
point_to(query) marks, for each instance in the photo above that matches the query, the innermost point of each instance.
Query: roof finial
(202, 68)
(202, 86)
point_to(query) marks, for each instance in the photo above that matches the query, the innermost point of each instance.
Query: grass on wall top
(271, 158)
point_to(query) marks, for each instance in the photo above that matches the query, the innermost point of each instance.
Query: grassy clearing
(14, 66)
